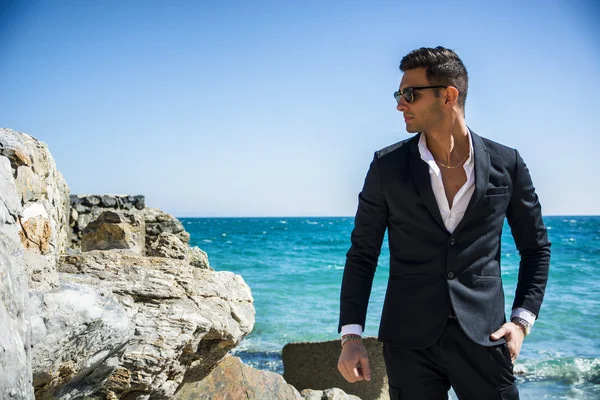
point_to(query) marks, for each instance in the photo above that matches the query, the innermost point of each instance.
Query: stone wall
(86, 208)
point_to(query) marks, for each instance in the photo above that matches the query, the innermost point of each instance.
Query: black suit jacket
(431, 270)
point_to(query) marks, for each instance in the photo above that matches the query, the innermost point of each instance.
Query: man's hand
(354, 362)
(514, 338)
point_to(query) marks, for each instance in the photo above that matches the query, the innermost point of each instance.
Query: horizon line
(349, 216)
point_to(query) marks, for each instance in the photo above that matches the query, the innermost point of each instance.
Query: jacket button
(452, 241)
(450, 275)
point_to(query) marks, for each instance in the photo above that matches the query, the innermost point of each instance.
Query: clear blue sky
(274, 108)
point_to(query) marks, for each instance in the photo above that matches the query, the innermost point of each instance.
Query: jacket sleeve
(524, 216)
(361, 260)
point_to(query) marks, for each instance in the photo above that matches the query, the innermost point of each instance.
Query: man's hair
(444, 67)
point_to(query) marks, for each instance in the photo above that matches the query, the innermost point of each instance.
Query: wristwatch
(523, 324)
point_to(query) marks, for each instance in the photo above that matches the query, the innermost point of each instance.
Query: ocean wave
(264, 360)
(571, 370)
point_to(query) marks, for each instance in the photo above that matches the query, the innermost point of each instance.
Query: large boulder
(232, 379)
(44, 197)
(78, 332)
(173, 323)
(15, 336)
(115, 230)
(314, 366)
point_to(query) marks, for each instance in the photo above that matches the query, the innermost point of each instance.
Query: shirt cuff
(352, 329)
(522, 313)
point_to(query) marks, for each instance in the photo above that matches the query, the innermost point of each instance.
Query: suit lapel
(420, 172)
(482, 175)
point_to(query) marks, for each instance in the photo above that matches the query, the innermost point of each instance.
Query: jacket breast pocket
(497, 191)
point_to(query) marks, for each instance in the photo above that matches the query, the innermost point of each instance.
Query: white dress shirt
(451, 215)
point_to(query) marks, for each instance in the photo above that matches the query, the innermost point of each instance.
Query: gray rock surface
(115, 230)
(184, 320)
(15, 336)
(104, 324)
(170, 246)
(314, 366)
(43, 194)
(158, 221)
(79, 332)
(198, 258)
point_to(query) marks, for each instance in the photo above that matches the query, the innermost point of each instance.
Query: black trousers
(475, 372)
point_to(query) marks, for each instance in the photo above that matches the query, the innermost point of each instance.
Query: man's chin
(411, 129)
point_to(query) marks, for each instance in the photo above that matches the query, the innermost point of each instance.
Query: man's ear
(451, 95)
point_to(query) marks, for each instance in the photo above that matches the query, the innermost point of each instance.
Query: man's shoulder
(395, 148)
(498, 150)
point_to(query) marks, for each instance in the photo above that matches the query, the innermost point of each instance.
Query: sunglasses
(409, 93)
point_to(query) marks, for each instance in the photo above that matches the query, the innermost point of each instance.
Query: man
(443, 195)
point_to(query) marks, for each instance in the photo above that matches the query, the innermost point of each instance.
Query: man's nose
(401, 106)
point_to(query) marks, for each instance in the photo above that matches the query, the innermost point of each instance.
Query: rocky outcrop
(15, 335)
(170, 246)
(128, 326)
(136, 315)
(43, 195)
(103, 324)
(115, 230)
(158, 221)
(232, 379)
(314, 366)
(87, 208)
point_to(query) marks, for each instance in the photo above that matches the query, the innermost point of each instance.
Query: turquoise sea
(294, 267)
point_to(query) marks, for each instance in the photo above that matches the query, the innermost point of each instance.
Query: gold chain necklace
(454, 166)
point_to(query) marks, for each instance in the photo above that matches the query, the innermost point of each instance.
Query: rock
(328, 394)
(77, 330)
(89, 207)
(158, 221)
(31, 185)
(232, 379)
(35, 229)
(15, 337)
(44, 195)
(108, 201)
(314, 366)
(114, 230)
(184, 320)
(198, 258)
(105, 324)
(170, 246)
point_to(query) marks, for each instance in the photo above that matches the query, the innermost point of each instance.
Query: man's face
(425, 111)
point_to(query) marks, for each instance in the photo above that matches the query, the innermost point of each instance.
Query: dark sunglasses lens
(406, 93)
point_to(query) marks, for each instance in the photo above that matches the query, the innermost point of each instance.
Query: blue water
(294, 267)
